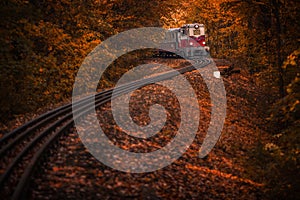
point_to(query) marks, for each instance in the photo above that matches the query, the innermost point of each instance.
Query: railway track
(22, 150)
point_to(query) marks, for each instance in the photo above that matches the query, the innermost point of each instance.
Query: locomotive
(186, 41)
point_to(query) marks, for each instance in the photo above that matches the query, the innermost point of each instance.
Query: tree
(45, 42)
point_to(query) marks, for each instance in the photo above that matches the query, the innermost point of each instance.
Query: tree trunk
(278, 29)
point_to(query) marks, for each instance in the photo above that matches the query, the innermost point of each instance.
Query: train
(187, 41)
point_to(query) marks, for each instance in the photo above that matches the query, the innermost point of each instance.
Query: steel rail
(56, 128)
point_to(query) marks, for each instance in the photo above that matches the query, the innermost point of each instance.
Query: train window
(196, 32)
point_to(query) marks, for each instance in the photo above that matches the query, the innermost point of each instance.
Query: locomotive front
(192, 40)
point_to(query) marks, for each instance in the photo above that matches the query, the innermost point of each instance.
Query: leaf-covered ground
(72, 172)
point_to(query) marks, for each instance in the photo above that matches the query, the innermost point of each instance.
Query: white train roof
(174, 29)
(191, 25)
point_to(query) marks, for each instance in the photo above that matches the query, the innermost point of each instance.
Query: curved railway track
(22, 149)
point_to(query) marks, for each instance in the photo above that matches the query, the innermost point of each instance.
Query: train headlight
(196, 26)
(191, 43)
(203, 42)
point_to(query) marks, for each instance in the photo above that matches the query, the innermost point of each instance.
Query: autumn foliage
(43, 43)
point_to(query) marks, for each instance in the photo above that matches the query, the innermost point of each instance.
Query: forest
(43, 44)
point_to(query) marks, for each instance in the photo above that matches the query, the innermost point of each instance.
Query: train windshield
(197, 32)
